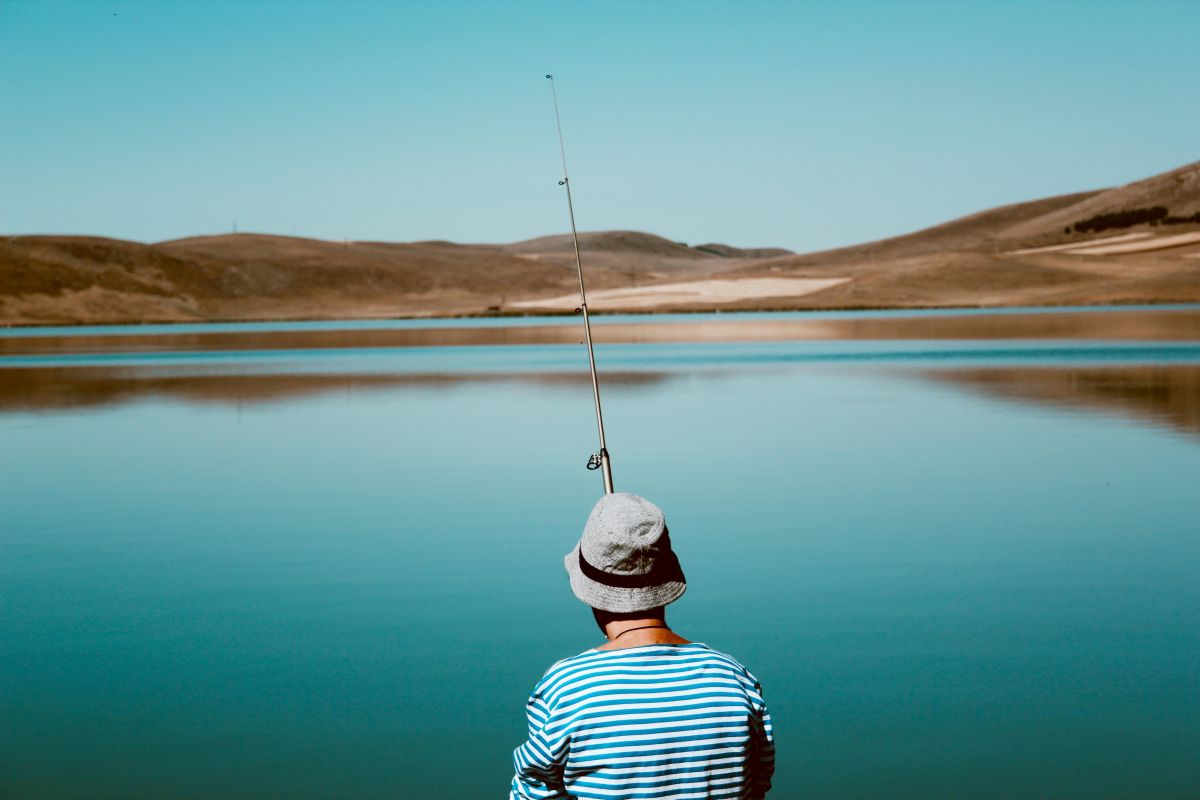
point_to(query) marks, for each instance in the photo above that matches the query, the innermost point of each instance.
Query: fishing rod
(599, 460)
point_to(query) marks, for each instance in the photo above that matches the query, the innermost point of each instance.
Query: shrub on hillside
(1194, 218)
(1121, 219)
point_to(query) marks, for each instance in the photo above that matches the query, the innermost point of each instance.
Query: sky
(804, 125)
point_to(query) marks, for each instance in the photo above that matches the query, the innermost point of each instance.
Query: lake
(312, 560)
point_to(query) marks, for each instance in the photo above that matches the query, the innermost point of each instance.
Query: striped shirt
(669, 722)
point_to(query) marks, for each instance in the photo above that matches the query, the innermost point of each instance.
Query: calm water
(962, 569)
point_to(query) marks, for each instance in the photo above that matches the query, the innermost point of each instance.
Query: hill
(73, 279)
(245, 276)
(1138, 243)
(1031, 253)
(1177, 190)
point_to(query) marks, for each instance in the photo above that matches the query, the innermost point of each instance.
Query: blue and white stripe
(669, 722)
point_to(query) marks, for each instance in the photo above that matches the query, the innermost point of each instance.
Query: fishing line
(599, 460)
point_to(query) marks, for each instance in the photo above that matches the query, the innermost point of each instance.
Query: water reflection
(1172, 324)
(270, 364)
(57, 388)
(1166, 394)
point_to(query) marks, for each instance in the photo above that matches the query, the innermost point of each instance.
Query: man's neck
(639, 632)
(624, 627)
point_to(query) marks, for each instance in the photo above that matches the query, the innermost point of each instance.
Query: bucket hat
(624, 561)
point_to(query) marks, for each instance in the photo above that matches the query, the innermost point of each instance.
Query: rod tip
(551, 77)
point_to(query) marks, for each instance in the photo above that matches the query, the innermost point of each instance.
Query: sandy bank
(716, 290)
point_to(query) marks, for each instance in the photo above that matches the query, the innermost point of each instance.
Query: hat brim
(620, 600)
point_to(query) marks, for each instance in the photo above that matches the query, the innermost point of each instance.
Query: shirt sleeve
(540, 760)
(762, 763)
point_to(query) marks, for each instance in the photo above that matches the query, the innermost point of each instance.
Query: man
(648, 713)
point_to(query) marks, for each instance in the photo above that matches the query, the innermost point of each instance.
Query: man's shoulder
(583, 666)
(733, 662)
(596, 671)
(572, 663)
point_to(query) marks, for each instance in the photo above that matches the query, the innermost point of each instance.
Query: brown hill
(50, 279)
(607, 242)
(1022, 254)
(67, 279)
(633, 258)
(1177, 190)
(973, 231)
(729, 251)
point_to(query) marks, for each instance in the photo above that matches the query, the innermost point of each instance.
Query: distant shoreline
(1180, 325)
(595, 313)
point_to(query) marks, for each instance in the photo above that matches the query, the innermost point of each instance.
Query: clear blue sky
(804, 125)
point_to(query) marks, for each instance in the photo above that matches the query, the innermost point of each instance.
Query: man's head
(624, 562)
